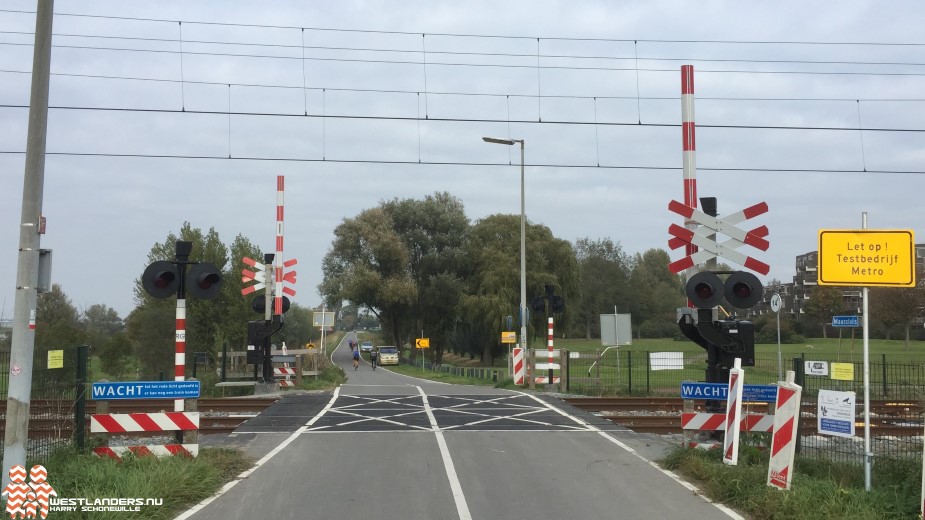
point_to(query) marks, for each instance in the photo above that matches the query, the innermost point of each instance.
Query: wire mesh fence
(896, 387)
(58, 375)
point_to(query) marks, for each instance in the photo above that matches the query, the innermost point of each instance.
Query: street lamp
(523, 234)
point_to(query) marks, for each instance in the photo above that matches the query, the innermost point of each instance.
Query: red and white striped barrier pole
(518, 366)
(278, 261)
(784, 436)
(689, 148)
(180, 355)
(549, 340)
(733, 414)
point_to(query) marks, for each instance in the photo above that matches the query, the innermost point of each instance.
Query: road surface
(386, 446)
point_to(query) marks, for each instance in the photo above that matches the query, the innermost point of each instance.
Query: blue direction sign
(146, 390)
(845, 321)
(718, 392)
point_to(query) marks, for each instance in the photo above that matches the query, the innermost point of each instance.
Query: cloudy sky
(357, 102)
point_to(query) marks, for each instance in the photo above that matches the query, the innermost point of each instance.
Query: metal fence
(897, 386)
(56, 399)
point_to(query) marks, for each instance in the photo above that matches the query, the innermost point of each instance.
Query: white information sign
(666, 360)
(817, 368)
(836, 413)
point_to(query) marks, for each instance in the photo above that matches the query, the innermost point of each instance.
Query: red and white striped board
(733, 414)
(156, 450)
(717, 422)
(283, 371)
(784, 436)
(518, 366)
(144, 422)
(287, 383)
(544, 380)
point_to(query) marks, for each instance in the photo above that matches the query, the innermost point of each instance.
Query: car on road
(388, 355)
(366, 346)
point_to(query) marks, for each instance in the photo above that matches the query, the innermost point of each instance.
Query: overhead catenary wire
(323, 116)
(756, 170)
(475, 94)
(475, 35)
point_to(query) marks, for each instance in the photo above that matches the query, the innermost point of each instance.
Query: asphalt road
(387, 446)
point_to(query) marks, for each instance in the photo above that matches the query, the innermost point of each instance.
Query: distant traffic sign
(422, 343)
(866, 257)
(845, 321)
(509, 337)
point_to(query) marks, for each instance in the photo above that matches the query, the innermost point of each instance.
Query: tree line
(422, 267)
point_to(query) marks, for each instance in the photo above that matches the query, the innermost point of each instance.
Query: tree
(209, 323)
(493, 280)
(657, 294)
(826, 301)
(100, 323)
(56, 320)
(402, 261)
(297, 328)
(369, 265)
(116, 354)
(433, 231)
(604, 273)
(897, 306)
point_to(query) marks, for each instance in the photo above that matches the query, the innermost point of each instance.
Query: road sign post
(775, 307)
(866, 257)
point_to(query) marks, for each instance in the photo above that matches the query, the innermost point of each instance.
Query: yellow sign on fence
(843, 371)
(508, 337)
(55, 359)
(867, 257)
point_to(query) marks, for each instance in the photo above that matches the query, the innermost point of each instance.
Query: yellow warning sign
(422, 343)
(867, 257)
(843, 371)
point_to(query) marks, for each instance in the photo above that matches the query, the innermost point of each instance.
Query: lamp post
(523, 242)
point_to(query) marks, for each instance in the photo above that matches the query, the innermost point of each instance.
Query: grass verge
(446, 378)
(179, 481)
(819, 491)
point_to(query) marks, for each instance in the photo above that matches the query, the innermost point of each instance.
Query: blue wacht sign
(845, 321)
(718, 392)
(146, 390)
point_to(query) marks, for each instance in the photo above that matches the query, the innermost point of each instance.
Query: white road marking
(462, 508)
(192, 510)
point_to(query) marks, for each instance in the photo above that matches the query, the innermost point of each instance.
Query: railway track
(55, 418)
(663, 415)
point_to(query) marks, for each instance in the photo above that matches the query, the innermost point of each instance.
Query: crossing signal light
(743, 290)
(204, 281)
(259, 304)
(558, 303)
(161, 279)
(705, 290)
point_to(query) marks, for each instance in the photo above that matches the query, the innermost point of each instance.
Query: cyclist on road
(356, 358)
(373, 358)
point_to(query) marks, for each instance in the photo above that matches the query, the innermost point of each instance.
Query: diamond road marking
(505, 413)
